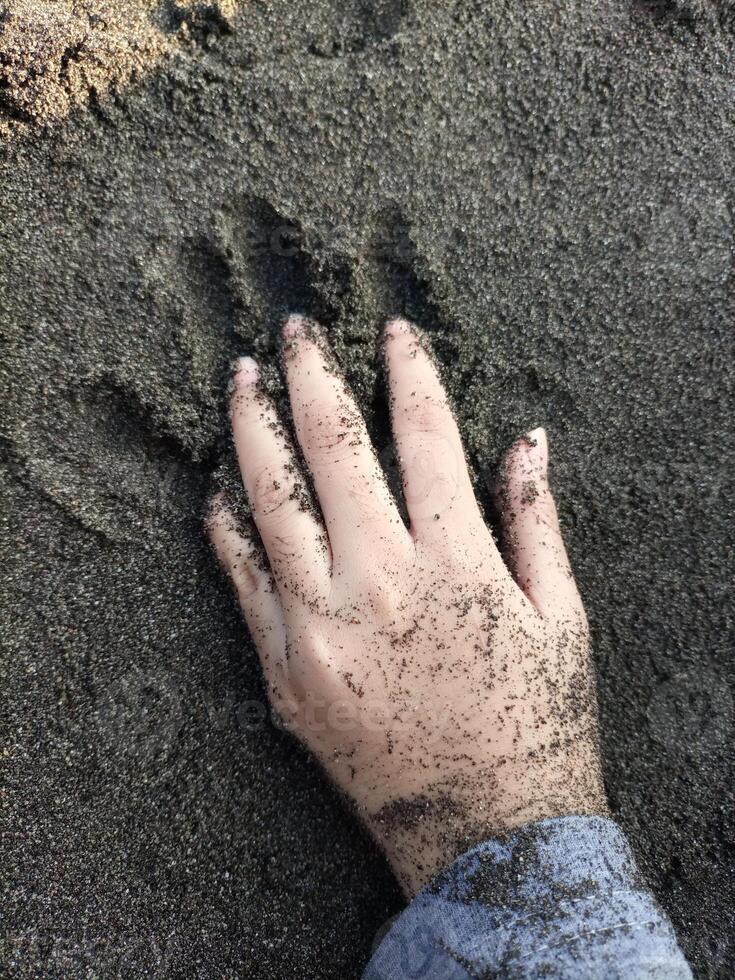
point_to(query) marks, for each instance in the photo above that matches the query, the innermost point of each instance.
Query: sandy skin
(447, 692)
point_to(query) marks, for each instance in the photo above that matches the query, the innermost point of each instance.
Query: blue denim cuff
(560, 898)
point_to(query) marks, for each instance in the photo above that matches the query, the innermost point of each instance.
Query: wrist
(422, 834)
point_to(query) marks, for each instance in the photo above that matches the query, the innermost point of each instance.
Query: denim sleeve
(555, 899)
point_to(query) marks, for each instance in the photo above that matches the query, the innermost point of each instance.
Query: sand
(56, 55)
(550, 195)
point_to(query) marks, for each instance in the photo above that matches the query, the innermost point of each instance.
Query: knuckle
(283, 549)
(367, 503)
(272, 494)
(245, 579)
(432, 476)
(327, 441)
(427, 415)
(379, 598)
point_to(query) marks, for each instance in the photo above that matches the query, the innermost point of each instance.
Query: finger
(532, 539)
(253, 583)
(436, 483)
(357, 505)
(292, 536)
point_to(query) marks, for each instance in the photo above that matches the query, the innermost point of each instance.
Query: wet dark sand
(552, 197)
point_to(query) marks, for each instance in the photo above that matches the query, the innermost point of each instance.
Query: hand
(448, 693)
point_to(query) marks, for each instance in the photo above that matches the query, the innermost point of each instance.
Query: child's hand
(448, 693)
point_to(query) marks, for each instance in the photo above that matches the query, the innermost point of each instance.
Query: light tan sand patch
(55, 55)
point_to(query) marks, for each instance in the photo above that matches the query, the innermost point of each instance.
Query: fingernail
(294, 325)
(538, 447)
(245, 371)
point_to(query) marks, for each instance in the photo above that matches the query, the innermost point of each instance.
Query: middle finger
(356, 502)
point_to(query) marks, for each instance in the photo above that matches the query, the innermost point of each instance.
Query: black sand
(551, 195)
